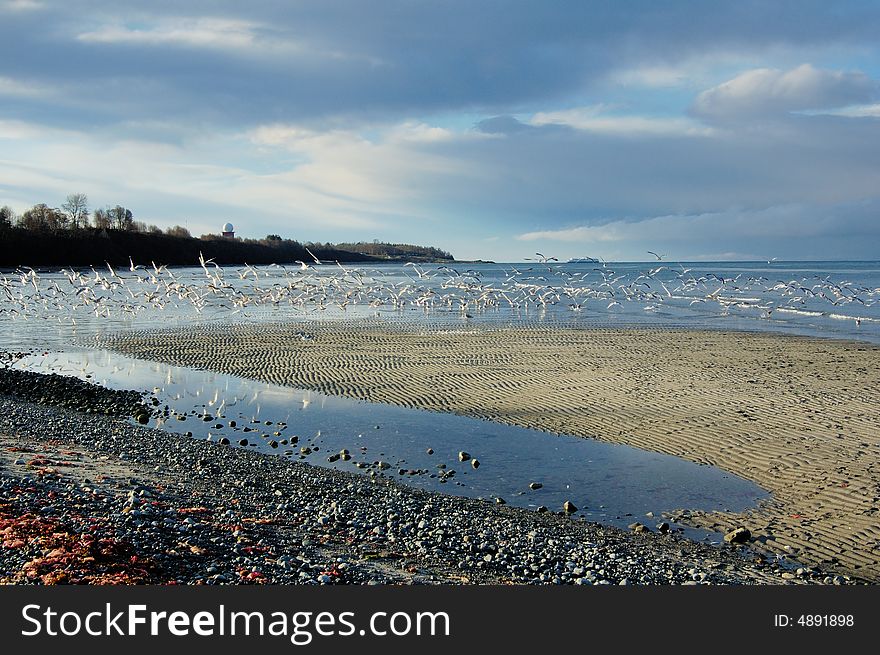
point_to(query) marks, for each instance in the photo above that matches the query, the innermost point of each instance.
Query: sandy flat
(799, 416)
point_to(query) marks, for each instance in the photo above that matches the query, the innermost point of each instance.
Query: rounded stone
(738, 536)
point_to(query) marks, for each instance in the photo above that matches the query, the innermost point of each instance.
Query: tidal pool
(608, 483)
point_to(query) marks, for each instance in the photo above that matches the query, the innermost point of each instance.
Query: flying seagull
(543, 258)
(317, 261)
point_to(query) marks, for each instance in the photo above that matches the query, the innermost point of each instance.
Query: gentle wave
(799, 312)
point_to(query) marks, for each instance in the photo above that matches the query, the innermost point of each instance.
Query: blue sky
(492, 129)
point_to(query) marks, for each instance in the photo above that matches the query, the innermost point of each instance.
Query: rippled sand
(799, 416)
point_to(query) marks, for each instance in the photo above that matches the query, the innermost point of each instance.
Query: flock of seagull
(543, 283)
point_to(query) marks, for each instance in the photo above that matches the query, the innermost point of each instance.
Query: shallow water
(825, 299)
(609, 483)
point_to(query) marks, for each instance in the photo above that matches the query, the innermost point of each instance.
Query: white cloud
(778, 222)
(582, 234)
(855, 111)
(591, 119)
(344, 163)
(769, 92)
(279, 134)
(17, 88)
(195, 32)
(159, 179)
(696, 70)
(22, 131)
(417, 132)
(782, 229)
(244, 37)
(21, 5)
(329, 180)
(653, 77)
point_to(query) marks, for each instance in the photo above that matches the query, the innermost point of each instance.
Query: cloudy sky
(493, 129)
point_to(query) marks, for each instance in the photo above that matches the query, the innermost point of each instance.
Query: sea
(838, 300)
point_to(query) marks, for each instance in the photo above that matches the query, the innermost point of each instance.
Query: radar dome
(228, 228)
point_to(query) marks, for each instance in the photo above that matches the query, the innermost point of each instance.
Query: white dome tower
(229, 231)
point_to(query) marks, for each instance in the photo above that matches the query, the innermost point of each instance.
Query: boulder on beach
(738, 536)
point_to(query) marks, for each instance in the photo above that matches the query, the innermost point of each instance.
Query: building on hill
(229, 231)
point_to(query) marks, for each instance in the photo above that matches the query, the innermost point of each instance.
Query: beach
(796, 415)
(86, 497)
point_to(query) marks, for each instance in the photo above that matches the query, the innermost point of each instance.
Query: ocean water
(825, 299)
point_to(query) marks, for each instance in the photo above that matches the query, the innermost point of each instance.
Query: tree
(33, 218)
(56, 219)
(120, 218)
(7, 217)
(77, 208)
(43, 217)
(102, 220)
(178, 231)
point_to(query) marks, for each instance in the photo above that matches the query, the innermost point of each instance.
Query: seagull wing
(317, 261)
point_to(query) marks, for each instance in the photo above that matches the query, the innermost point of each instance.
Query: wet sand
(799, 416)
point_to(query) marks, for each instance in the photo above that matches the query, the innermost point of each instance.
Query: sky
(492, 129)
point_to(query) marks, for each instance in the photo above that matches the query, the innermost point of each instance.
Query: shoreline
(92, 499)
(793, 414)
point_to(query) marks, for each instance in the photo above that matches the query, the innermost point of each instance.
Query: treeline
(72, 235)
(93, 247)
(74, 214)
(394, 251)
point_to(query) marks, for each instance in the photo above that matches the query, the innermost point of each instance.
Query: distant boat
(582, 260)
